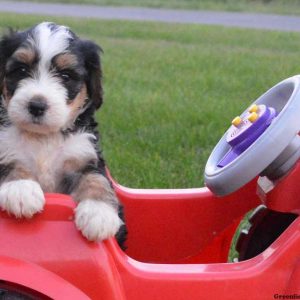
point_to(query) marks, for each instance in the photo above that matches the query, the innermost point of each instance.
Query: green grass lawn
(262, 6)
(172, 90)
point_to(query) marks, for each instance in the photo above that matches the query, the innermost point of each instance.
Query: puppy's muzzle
(37, 108)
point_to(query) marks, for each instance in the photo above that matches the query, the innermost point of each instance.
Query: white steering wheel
(263, 140)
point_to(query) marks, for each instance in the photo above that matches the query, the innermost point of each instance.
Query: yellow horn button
(253, 117)
(236, 121)
(253, 108)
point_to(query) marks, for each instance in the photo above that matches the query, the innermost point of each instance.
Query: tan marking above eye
(25, 55)
(66, 60)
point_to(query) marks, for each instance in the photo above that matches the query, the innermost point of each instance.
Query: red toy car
(178, 241)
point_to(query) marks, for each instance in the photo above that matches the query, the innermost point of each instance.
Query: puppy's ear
(91, 54)
(8, 44)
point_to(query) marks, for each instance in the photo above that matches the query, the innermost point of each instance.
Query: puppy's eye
(65, 76)
(68, 75)
(21, 71)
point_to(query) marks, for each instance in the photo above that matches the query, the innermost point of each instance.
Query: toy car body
(177, 248)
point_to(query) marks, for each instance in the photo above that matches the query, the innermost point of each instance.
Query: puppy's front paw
(22, 198)
(96, 220)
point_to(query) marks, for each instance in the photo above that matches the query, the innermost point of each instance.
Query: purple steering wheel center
(240, 137)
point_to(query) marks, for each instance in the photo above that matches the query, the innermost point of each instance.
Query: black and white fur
(50, 87)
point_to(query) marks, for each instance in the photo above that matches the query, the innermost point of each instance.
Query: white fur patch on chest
(44, 157)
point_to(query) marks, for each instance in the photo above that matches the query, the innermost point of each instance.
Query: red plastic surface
(168, 226)
(177, 249)
(285, 197)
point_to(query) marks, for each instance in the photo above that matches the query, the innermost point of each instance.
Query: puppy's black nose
(37, 108)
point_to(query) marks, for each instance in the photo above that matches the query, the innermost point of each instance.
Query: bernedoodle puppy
(50, 87)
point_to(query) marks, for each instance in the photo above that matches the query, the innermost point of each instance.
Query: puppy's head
(48, 76)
